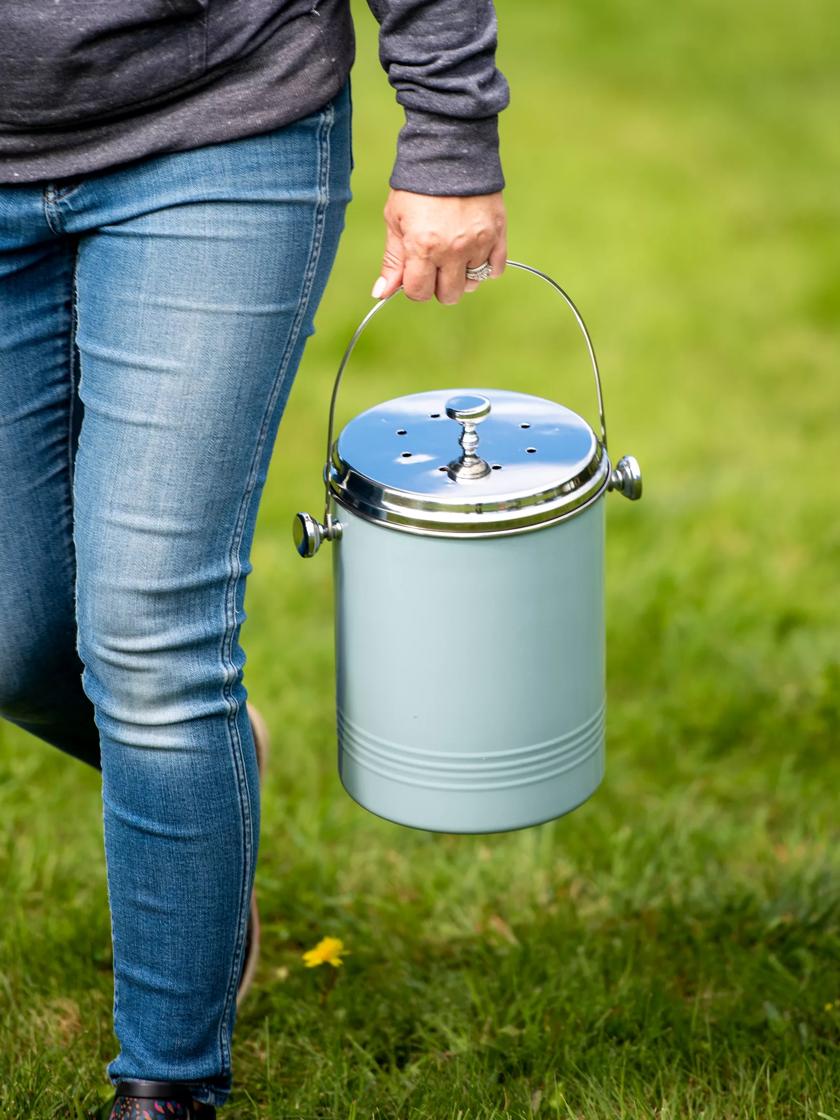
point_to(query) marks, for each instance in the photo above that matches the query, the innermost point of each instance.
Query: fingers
(393, 264)
(472, 251)
(474, 262)
(432, 240)
(451, 280)
(419, 278)
(496, 259)
(498, 256)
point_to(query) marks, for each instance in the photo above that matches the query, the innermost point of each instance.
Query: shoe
(139, 1099)
(252, 936)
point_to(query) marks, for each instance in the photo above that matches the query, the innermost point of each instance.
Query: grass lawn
(671, 949)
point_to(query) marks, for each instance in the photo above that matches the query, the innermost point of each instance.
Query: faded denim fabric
(152, 320)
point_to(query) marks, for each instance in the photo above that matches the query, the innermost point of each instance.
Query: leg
(40, 671)
(197, 282)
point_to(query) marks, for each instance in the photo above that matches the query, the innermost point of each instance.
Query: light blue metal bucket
(469, 592)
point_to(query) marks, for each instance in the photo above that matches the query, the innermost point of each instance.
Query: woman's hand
(431, 240)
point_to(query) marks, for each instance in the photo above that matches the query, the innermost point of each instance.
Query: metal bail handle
(328, 526)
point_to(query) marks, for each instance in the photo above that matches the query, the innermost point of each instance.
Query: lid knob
(468, 410)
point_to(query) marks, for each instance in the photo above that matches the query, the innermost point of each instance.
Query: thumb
(393, 262)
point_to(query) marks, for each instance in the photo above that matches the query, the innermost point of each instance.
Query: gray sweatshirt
(89, 84)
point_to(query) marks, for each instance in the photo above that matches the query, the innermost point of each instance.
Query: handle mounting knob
(309, 533)
(627, 478)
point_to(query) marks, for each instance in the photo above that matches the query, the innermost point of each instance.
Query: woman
(173, 181)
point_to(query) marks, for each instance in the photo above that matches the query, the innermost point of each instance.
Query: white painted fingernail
(378, 288)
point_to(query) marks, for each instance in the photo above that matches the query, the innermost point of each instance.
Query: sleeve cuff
(447, 155)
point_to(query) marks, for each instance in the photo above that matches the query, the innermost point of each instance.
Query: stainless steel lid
(466, 462)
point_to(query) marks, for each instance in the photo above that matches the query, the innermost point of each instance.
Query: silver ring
(481, 272)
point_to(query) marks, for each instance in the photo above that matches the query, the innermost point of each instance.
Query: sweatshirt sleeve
(440, 57)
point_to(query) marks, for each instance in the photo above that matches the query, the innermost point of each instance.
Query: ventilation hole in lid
(406, 455)
(401, 431)
(443, 468)
(497, 466)
(435, 415)
(530, 450)
(524, 425)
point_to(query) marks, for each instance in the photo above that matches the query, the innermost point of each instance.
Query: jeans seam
(71, 411)
(74, 311)
(325, 127)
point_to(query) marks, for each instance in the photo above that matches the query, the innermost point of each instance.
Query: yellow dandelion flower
(327, 951)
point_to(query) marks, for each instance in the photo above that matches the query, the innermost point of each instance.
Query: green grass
(671, 949)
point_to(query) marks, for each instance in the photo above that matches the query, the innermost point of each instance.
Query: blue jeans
(152, 318)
